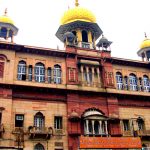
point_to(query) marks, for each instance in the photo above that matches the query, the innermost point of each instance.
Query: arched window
(75, 33)
(39, 72)
(57, 74)
(2, 62)
(3, 32)
(39, 120)
(146, 83)
(119, 81)
(21, 70)
(133, 82)
(84, 36)
(39, 147)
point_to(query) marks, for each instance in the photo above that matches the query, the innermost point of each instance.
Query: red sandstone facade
(77, 98)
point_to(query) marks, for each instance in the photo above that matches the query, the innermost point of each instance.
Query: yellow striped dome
(6, 19)
(145, 44)
(78, 14)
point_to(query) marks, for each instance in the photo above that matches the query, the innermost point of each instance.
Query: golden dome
(145, 43)
(78, 14)
(6, 19)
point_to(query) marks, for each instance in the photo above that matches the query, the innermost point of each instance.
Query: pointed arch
(21, 75)
(39, 147)
(119, 80)
(39, 120)
(146, 84)
(39, 72)
(57, 74)
(133, 82)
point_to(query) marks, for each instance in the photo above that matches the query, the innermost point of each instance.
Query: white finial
(5, 12)
(145, 34)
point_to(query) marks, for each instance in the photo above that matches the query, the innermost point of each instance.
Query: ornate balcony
(40, 132)
(19, 133)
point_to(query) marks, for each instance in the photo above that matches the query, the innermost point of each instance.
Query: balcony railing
(127, 133)
(58, 132)
(103, 134)
(40, 132)
(85, 45)
(143, 132)
(90, 84)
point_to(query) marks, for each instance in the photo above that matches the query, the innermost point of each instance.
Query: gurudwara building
(80, 98)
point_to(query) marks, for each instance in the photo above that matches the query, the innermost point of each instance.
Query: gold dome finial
(5, 12)
(77, 3)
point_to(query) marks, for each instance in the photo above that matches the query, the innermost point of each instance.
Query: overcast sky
(122, 21)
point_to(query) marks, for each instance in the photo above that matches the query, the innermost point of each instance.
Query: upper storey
(79, 28)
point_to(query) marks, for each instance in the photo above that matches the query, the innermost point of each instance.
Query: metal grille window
(21, 75)
(39, 120)
(133, 82)
(57, 74)
(58, 122)
(19, 120)
(119, 81)
(30, 73)
(39, 72)
(39, 147)
(146, 83)
(49, 75)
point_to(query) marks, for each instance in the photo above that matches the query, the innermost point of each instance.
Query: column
(93, 131)
(98, 76)
(46, 73)
(82, 76)
(93, 76)
(79, 36)
(12, 38)
(27, 72)
(33, 73)
(106, 129)
(146, 56)
(100, 127)
(87, 74)
(87, 126)
(7, 34)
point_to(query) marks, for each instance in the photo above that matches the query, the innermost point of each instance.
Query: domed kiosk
(82, 23)
(144, 51)
(7, 27)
